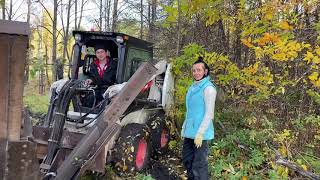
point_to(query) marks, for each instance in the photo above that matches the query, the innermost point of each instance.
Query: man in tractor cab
(102, 73)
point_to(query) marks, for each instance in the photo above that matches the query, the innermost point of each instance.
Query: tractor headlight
(119, 39)
(77, 37)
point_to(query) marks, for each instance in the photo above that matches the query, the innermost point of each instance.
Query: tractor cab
(138, 111)
(128, 51)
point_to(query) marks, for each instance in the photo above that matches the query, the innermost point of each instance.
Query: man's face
(198, 71)
(101, 54)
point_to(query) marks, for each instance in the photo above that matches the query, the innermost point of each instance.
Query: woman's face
(198, 71)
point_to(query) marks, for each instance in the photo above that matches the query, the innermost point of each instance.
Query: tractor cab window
(135, 57)
(88, 55)
(86, 58)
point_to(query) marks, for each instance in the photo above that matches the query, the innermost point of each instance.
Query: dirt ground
(167, 167)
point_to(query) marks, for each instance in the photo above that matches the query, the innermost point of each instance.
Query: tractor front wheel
(132, 150)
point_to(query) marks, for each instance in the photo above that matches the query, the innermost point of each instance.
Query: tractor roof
(99, 35)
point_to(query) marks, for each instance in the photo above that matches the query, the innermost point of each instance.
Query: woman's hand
(198, 140)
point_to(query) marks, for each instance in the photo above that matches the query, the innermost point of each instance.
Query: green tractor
(144, 130)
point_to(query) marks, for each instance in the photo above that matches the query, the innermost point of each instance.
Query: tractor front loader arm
(106, 128)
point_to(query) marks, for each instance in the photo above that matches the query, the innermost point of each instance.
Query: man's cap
(99, 46)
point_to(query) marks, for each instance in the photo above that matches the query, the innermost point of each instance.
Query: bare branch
(44, 28)
(13, 14)
(45, 9)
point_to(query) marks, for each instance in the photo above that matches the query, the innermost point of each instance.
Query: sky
(90, 12)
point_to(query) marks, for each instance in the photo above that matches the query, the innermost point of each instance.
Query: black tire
(160, 133)
(132, 150)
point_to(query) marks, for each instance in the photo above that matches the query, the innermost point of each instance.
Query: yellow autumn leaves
(271, 45)
(283, 49)
(312, 58)
(315, 79)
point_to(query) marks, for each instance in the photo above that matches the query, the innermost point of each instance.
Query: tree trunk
(237, 46)
(105, 15)
(26, 71)
(10, 11)
(149, 21)
(141, 19)
(81, 12)
(115, 15)
(54, 40)
(153, 18)
(75, 14)
(3, 7)
(46, 66)
(237, 42)
(66, 33)
(178, 30)
(108, 14)
(223, 39)
(100, 17)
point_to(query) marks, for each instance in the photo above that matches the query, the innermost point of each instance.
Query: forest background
(264, 58)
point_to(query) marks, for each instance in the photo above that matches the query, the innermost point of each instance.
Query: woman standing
(197, 129)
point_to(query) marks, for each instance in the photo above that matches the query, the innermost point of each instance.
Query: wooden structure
(17, 157)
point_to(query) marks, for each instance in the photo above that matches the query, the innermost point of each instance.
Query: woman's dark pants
(195, 160)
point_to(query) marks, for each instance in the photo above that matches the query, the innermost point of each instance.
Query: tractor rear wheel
(133, 148)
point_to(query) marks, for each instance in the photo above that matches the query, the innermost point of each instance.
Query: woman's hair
(200, 60)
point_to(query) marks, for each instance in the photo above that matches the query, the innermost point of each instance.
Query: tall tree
(153, 19)
(54, 40)
(75, 14)
(83, 2)
(107, 20)
(178, 28)
(141, 19)
(26, 75)
(10, 11)
(100, 15)
(114, 15)
(66, 31)
(3, 7)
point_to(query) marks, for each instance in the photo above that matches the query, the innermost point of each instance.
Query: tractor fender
(140, 116)
(168, 90)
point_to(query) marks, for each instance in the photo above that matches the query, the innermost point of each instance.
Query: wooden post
(13, 49)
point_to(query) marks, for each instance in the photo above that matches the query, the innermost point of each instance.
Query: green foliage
(130, 26)
(314, 95)
(182, 68)
(173, 145)
(275, 79)
(37, 103)
(239, 155)
(143, 177)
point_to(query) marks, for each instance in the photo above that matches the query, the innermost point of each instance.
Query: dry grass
(36, 102)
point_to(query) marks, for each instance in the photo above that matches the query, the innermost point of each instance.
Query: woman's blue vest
(196, 110)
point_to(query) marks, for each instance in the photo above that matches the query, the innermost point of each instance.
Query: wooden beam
(18, 51)
(14, 27)
(4, 95)
(13, 47)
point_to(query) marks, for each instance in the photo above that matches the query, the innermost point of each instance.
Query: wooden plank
(16, 82)
(14, 27)
(4, 79)
(11, 90)
(4, 93)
